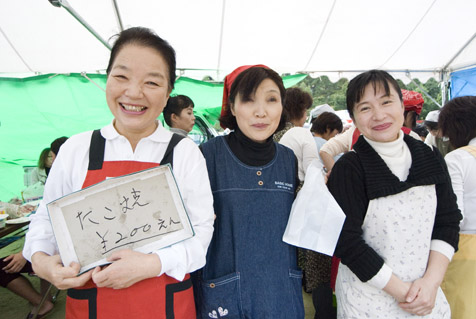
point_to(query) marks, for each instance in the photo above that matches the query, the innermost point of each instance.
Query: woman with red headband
(250, 272)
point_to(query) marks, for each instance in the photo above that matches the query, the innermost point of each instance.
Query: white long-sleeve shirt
(69, 171)
(462, 169)
(301, 141)
(342, 143)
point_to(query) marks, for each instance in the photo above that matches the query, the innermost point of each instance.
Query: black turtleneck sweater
(249, 152)
(252, 153)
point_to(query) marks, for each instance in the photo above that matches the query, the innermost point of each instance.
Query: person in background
(300, 141)
(324, 127)
(457, 121)
(421, 131)
(11, 270)
(295, 108)
(318, 266)
(40, 173)
(55, 146)
(402, 220)
(11, 267)
(413, 102)
(140, 77)
(178, 114)
(250, 272)
(294, 136)
(35, 191)
(435, 138)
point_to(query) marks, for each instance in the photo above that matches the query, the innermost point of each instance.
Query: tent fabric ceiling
(213, 37)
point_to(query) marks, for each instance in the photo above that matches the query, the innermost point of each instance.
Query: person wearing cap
(435, 138)
(457, 121)
(413, 103)
(318, 110)
(178, 114)
(250, 272)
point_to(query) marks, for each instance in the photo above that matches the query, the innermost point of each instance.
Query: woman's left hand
(127, 268)
(421, 297)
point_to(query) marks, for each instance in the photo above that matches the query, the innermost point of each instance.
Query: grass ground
(15, 307)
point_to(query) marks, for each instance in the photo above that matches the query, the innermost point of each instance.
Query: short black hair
(245, 85)
(420, 130)
(296, 103)
(457, 120)
(147, 38)
(378, 78)
(326, 120)
(175, 105)
(56, 144)
(431, 126)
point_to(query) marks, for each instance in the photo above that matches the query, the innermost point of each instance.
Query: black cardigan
(361, 176)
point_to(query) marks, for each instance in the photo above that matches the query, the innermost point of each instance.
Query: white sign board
(142, 211)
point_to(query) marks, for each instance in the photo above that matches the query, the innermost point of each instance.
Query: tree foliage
(324, 91)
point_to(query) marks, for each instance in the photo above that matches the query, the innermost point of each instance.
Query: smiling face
(137, 90)
(378, 116)
(185, 120)
(258, 118)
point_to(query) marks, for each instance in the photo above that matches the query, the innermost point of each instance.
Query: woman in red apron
(141, 75)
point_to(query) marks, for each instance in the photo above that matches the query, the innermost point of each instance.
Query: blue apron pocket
(295, 277)
(220, 297)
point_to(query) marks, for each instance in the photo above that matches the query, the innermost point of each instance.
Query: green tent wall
(36, 110)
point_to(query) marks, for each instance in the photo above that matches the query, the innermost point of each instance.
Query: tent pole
(423, 90)
(69, 8)
(83, 74)
(444, 87)
(445, 68)
(221, 39)
(118, 15)
(15, 50)
(444, 71)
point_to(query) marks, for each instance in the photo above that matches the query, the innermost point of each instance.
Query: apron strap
(96, 151)
(170, 290)
(470, 149)
(98, 144)
(169, 152)
(90, 295)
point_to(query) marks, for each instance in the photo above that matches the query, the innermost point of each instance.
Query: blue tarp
(463, 83)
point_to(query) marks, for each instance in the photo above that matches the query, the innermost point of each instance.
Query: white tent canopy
(333, 37)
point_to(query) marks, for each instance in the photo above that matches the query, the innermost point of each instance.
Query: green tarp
(34, 111)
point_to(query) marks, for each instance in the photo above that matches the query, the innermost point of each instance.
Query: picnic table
(12, 232)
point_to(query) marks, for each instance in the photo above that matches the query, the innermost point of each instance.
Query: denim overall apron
(250, 272)
(158, 297)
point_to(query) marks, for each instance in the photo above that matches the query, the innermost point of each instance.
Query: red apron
(158, 297)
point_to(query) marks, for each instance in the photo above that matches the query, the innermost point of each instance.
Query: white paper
(316, 219)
